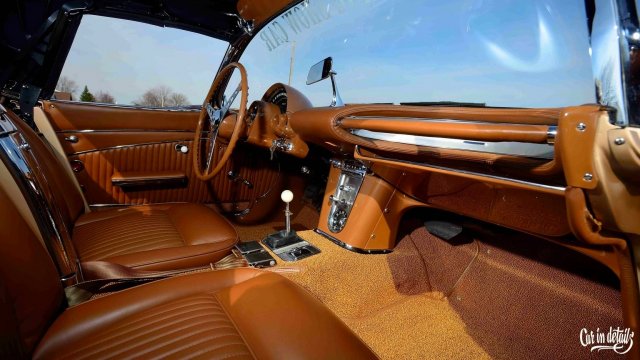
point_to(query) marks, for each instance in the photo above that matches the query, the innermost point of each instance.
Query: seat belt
(44, 126)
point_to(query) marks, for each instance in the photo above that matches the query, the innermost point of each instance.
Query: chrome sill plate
(538, 151)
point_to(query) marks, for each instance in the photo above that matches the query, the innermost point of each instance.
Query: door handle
(182, 148)
(72, 139)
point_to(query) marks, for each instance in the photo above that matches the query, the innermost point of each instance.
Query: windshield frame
(624, 17)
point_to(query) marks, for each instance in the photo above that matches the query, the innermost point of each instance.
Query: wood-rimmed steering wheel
(211, 117)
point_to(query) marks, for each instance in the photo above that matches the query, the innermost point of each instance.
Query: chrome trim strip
(552, 132)
(130, 205)
(6, 126)
(190, 108)
(13, 152)
(128, 146)
(559, 189)
(83, 131)
(612, 35)
(349, 247)
(530, 150)
(176, 181)
(430, 120)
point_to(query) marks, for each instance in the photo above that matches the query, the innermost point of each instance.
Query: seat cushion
(227, 314)
(154, 237)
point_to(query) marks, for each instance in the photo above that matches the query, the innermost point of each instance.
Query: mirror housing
(320, 71)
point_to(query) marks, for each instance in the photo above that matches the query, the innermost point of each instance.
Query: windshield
(493, 52)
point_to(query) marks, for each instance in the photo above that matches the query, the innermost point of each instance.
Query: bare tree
(105, 98)
(161, 96)
(66, 85)
(178, 99)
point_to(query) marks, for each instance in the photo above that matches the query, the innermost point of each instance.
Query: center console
(352, 174)
(361, 210)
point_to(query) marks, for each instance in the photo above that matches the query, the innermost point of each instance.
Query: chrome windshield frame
(615, 27)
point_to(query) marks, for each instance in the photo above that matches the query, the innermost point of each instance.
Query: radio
(352, 174)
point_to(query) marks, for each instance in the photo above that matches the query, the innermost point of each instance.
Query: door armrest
(137, 179)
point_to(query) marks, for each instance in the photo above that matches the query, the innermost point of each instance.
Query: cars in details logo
(618, 340)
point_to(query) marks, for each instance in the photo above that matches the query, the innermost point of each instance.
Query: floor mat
(475, 299)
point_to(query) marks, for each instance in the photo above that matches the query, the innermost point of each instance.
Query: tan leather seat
(241, 313)
(156, 237)
(227, 314)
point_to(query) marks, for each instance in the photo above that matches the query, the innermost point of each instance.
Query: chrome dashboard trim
(530, 150)
(558, 189)
(349, 247)
(552, 132)
(430, 120)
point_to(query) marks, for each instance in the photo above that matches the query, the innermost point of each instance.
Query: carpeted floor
(399, 318)
(508, 298)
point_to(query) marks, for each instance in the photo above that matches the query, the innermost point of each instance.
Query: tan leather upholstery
(154, 237)
(158, 237)
(124, 140)
(30, 292)
(240, 313)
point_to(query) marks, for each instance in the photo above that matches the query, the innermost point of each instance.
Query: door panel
(113, 140)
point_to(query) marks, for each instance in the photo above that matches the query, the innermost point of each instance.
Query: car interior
(262, 226)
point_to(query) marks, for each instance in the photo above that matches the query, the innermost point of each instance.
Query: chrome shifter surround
(351, 178)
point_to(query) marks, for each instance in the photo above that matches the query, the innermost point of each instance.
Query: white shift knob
(286, 196)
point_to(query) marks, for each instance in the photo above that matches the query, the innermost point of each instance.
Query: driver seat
(160, 237)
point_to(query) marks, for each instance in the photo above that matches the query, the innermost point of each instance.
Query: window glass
(133, 63)
(497, 52)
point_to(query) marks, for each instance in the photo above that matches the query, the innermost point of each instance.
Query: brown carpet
(397, 316)
(474, 299)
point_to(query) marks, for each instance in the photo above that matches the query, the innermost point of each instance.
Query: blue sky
(500, 52)
(127, 58)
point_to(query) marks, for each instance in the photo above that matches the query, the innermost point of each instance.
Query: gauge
(279, 98)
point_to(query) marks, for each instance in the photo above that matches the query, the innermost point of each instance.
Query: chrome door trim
(189, 108)
(88, 131)
(129, 145)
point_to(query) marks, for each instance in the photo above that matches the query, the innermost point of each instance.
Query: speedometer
(279, 98)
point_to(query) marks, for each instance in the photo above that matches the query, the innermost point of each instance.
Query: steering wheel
(211, 117)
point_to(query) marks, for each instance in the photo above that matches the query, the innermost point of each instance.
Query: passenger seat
(227, 314)
(151, 237)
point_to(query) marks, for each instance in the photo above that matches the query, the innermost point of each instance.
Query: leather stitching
(215, 296)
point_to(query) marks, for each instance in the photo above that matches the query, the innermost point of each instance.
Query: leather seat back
(31, 295)
(64, 194)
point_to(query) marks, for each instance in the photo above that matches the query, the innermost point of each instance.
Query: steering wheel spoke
(213, 117)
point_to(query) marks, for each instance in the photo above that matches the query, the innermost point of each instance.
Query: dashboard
(523, 190)
(267, 123)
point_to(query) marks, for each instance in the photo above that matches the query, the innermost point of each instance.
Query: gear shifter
(283, 237)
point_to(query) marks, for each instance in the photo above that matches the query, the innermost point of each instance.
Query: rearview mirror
(320, 71)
